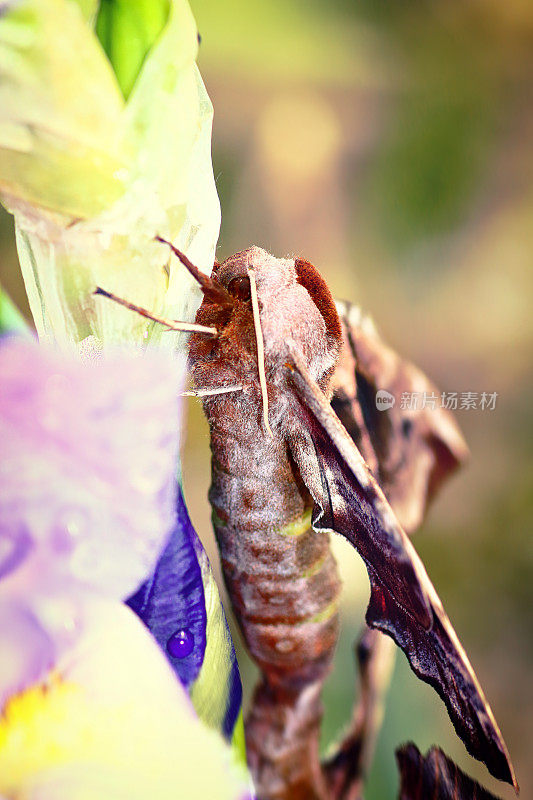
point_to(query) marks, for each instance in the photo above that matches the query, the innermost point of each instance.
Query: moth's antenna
(207, 284)
(260, 349)
(211, 392)
(170, 324)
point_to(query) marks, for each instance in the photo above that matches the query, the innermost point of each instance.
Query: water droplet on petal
(70, 527)
(74, 521)
(181, 643)
(143, 479)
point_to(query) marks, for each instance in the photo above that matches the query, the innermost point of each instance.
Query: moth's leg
(347, 771)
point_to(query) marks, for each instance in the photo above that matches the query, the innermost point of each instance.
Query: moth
(286, 472)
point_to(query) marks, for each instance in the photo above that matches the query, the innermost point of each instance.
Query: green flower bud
(91, 177)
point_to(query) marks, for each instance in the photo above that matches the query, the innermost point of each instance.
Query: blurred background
(391, 145)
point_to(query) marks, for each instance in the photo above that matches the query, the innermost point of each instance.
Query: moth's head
(295, 307)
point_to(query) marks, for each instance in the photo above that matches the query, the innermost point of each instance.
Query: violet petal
(172, 599)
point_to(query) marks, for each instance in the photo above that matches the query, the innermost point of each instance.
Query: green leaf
(60, 108)
(127, 30)
(91, 179)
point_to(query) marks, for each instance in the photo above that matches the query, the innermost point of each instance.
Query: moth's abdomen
(281, 575)
(284, 588)
(285, 597)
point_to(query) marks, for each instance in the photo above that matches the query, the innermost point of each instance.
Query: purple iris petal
(172, 600)
(87, 492)
(88, 460)
(172, 605)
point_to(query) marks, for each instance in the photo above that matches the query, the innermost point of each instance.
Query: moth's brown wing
(403, 602)
(410, 452)
(435, 775)
(348, 399)
(414, 449)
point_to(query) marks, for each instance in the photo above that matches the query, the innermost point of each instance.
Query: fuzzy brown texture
(309, 277)
(280, 575)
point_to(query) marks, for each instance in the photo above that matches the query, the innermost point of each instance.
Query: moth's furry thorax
(296, 309)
